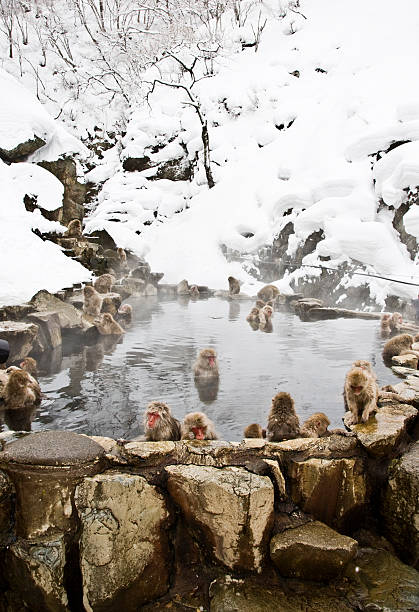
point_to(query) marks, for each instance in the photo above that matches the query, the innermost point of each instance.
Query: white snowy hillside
(294, 132)
(29, 263)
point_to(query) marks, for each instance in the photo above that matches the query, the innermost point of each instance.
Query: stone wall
(94, 524)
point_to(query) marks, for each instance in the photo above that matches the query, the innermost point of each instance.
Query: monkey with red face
(197, 426)
(159, 424)
(206, 366)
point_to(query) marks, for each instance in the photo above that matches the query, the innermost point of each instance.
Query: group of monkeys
(102, 310)
(260, 317)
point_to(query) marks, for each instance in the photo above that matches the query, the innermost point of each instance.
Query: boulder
(150, 289)
(6, 493)
(49, 334)
(20, 336)
(182, 288)
(400, 505)
(65, 170)
(382, 434)
(44, 468)
(408, 389)
(70, 318)
(180, 169)
(332, 490)
(312, 552)
(124, 554)
(35, 571)
(15, 313)
(406, 361)
(231, 508)
(136, 164)
(21, 151)
(135, 286)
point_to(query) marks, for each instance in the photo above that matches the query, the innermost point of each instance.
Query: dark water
(104, 389)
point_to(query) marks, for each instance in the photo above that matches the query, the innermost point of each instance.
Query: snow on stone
(33, 180)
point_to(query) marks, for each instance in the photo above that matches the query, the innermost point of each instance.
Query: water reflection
(104, 389)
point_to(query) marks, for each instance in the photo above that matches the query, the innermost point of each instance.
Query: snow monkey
(30, 366)
(253, 316)
(104, 283)
(92, 302)
(365, 365)
(265, 314)
(385, 324)
(315, 426)
(107, 326)
(21, 390)
(254, 431)
(283, 423)
(396, 321)
(108, 305)
(360, 394)
(124, 313)
(73, 229)
(159, 424)
(194, 291)
(122, 256)
(197, 426)
(269, 292)
(206, 366)
(399, 345)
(233, 285)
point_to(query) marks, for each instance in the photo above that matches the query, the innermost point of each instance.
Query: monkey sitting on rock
(92, 302)
(233, 285)
(283, 423)
(360, 394)
(399, 345)
(159, 424)
(197, 426)
(103, 284)
(74, 229)
(107, 326)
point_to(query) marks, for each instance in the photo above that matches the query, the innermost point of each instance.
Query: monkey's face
(199, 432)
(209, 355)
(268, 311)
(358, 381)
(18, 378)
(88, 291)
(155, 412)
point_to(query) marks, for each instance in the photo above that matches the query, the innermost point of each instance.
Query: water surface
(103, 389)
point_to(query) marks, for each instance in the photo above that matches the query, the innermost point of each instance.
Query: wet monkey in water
(206, 366)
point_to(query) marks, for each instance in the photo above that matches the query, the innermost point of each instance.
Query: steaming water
(104, 389)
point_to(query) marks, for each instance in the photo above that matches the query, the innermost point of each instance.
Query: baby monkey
(159, 424)
(254, 431)
(197, 426)
(283, 423)
(265, 315)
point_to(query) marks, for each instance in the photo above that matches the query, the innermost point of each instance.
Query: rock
(175, 170)
(20, 336)
(406, 361)
(141, 271)
(124, 554)
(277, 477)
(122, 290)
(49, 334)
(22, 150)
(321, 314)
(386, 430)
(334, 491)
(74, 192)
(167, 289)
(115, 297)
(70, 318)
(35, 571)
(6, 493)
(232, 508)
(400, 507)
(15, 313)
(249, 595)
(302, 307)
(381, 582)
(45, 468)
(312, 552)
(135, 286)
(405, 372)
(136, 164)
(409, 389)
(103, 238)
(150, 289)
(182, 288)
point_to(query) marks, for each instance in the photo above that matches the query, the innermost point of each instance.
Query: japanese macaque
(206, 366)
(315, 426)
(194, 291)
(30, 366)
(124, 313)
(92, 302)
(269, 292)
(122, 256)
(265, 314)
(107, 326)
(233, 285)
(159, 424)
(108, 305)
(254, 431)
(416, 338)
(74, 229)
(253, 316)
(365, 365)
(385, 324)
(103, 283)
(283, 423)
(21, 391)
(360, 394)
(182, 288)
(396, 321)
(197, 426)
(399, 345)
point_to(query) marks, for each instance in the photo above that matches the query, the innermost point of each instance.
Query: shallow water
(103, 389)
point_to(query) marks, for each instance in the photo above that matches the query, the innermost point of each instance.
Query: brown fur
(30, 366)
(385, 324)
(416, 338)
(360, 394)
(124, 313)
(233, 285)
(283, 423)
(365, 365)
(194, 291)
(396, 322)
(198, 421)
(122, 256)
(108, 305)
(254, 431)
(92, 302)
(269, 292)
(21, 391)
(315, 426)
(265, 314)
(206, 366)
(397, 346)
(74, 229)
(103, 283)
(159, 424)
(253, 316)
(107, 326)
